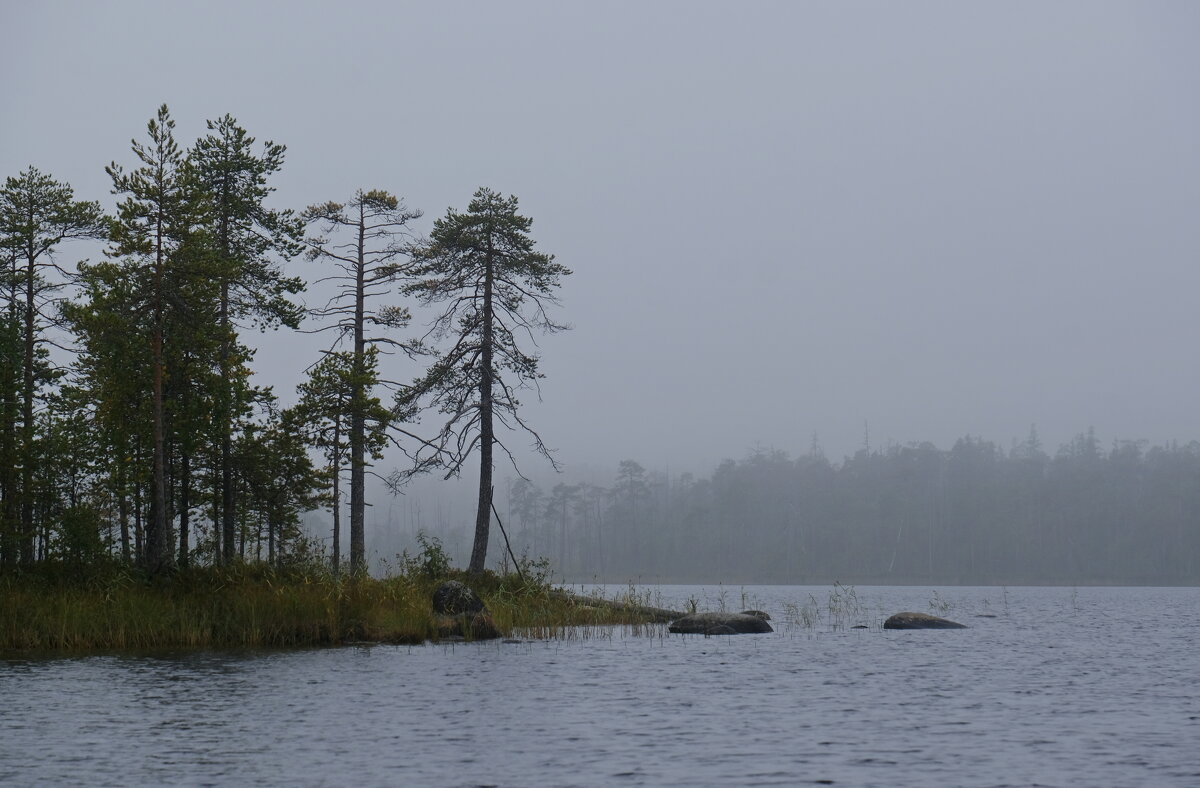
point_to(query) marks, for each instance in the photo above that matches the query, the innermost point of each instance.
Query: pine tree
(37, 213)
(366, 241)
(248, 240)
(113, 368)
(279, 478)
(155, 220)
(482, 266)
(322, 416)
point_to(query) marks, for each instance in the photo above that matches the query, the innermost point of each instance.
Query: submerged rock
(920, 621)
(453, 598)
(719, 624)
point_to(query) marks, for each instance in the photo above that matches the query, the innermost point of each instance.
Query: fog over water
(876, 223)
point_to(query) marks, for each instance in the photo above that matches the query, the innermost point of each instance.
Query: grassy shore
(73, 609)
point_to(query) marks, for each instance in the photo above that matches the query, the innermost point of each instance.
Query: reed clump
(842, 610)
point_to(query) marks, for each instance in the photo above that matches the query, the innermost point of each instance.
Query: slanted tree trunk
(483, 516)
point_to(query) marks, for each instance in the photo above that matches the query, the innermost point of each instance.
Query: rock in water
(719, 624)
(920, 621)
(757, 613)
(453, 598)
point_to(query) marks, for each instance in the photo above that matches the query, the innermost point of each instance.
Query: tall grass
(49, 609)
(57, 608)
(536, 612)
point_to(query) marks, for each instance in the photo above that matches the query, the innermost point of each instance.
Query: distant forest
(975, 514)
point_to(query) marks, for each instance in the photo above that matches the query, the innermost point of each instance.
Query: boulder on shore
(453, 598)
(719, 624)
(461, 614)
(920, 621)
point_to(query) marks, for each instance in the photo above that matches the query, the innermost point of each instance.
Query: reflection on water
(1060, 687)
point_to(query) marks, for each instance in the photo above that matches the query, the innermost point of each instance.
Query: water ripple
(1095, 687)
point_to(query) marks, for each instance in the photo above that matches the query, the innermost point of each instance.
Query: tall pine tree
(248, 241)
(37, 213)
(495, 287)
(366, 241)
(156, 218)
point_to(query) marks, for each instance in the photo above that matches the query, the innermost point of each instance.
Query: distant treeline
(975, 514)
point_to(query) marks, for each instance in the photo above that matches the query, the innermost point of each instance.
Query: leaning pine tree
(482, 266)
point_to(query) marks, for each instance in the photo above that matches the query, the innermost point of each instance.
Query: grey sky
(938, 218)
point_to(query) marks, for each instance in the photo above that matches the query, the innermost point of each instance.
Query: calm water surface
(1089, 687)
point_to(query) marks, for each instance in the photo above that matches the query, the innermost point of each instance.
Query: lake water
(1088, 687)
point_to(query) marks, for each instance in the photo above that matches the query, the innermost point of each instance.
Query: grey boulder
(719, 624)
(460, 614)
(920, 621)
(453, 598)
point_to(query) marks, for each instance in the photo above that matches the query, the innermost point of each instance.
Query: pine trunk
(27, 528)
(335, 464)
(157, 549)
(138, 529)
(357, 416)
(483, 515)
(185, 505)
(226, 414)
(9, 503)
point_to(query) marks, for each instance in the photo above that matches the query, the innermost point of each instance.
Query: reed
(842, 610)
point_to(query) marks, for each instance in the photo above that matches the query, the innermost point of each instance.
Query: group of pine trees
(898, 514)
(129, 425)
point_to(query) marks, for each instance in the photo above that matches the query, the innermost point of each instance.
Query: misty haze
(614, 385)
